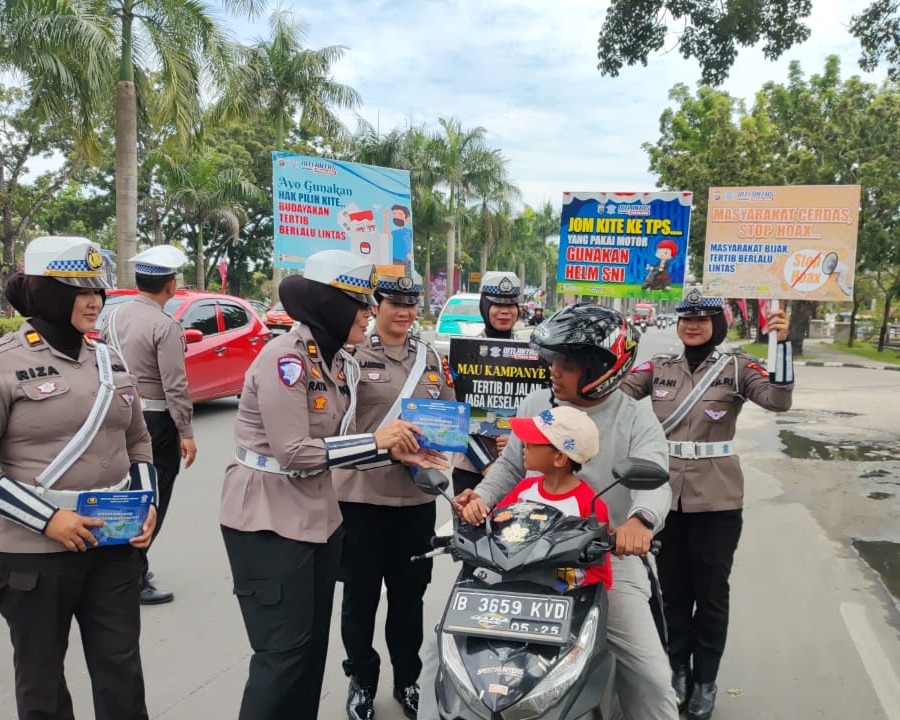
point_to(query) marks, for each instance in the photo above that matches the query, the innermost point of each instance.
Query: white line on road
(876, 663)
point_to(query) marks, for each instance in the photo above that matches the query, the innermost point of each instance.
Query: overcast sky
(525, 70)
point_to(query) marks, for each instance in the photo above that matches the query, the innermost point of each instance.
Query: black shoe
(702, 702)
(408, 697)
(360, 701)
(681, 682)
(152, 595)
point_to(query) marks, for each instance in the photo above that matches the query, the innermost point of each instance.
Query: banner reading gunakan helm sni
(624, 244)
(323, 204)
(796, 242)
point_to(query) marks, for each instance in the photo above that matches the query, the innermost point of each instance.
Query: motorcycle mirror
(431, 481)
(639, 474)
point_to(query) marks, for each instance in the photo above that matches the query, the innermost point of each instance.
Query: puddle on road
(884, 558)
(878, 495)
(806, 448)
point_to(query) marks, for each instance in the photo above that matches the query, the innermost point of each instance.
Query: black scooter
(515, 642)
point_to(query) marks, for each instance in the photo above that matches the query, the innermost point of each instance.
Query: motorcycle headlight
(557, 682)
(459, 678)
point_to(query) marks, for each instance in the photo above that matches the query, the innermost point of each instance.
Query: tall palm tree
(180, 40)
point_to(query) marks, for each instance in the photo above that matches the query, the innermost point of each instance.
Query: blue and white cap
(501, 287)
(398, 284)
(159, 260)
(694, 304)
(344, 271)
(71, 260)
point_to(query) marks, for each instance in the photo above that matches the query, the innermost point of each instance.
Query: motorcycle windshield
(517, 527)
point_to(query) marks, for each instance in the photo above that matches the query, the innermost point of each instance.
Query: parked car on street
(222, 336)
(460, 316)
(277, 320)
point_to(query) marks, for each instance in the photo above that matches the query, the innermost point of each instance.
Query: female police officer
(499, 309)
(386, 518)
(697, 395)
(70, 421)
(280, 517)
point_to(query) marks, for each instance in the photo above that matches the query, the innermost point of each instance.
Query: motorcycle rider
(591, 349)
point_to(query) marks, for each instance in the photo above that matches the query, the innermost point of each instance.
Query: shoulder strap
(688, 403)
(351, 370)
(75, 448)
(114, 336)
(415, 374)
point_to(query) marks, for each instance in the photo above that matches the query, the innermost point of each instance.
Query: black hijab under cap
(484, 306)
(48, 304)
(329, 313)
(697, 354)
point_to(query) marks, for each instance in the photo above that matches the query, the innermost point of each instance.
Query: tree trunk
(482, 265)
(126, 182)
(426, 278)
(522, 274)
(857, 301)
(451, 257)
(801, 313)
(885, 320)
(201, 261)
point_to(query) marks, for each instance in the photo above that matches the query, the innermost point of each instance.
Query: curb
(827, 363)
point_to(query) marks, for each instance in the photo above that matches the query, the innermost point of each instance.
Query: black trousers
(694, 566)
(465, 480)
(166, 444)
(378, 543)
(100, 588)
(286, 590)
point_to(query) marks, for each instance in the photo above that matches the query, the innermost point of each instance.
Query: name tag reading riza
(124, 513)
(445, 423)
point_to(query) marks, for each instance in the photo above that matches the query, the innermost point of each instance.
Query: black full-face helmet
(598, 339)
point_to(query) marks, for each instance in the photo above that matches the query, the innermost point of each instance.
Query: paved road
(813, 633)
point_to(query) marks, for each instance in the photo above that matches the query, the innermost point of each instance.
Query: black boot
(681, 682)
(408, 697)
(702, 702)
(360, 701)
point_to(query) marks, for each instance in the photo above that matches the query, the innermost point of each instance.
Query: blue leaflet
(124, 513)
(445, 423)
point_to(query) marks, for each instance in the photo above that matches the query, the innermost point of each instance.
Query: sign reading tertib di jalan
(618, 244)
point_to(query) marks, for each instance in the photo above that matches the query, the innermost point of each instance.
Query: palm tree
(208, 190)
(180, 39)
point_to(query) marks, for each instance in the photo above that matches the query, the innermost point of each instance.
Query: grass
(869, 351)
(757, 350)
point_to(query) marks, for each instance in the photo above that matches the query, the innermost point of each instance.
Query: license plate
(512, 616)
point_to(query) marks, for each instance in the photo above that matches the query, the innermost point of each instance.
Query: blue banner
(624, 244)
(323, 204)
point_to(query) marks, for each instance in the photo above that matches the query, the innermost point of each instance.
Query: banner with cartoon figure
(795, 242)
(617, 244)
(323, 204)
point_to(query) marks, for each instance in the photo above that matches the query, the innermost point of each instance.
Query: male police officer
(153, 346)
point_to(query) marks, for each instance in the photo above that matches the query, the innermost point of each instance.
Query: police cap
(71, 260)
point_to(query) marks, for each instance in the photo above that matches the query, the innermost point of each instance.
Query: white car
(461, 316)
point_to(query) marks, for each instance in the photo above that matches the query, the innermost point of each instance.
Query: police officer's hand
(400, 434)
(475, 510)
(143, 540)
(72, 530)
(421, 458)
(188, 451)
(501, 441)
(778, 323)
(632, 538)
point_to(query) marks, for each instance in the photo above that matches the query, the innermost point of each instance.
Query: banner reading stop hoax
(789, 243)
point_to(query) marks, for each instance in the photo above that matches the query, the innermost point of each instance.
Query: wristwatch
(646, 517)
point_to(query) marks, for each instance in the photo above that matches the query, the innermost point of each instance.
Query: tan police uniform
(387, 519)
(46, 397)
(153, 346)
(279, 513)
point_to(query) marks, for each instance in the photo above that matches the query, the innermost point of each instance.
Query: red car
(223, 336)
(277, 320)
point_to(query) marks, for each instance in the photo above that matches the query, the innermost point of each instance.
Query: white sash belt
(68, 499)
(265, 463)
(151, 405)
(699, 451)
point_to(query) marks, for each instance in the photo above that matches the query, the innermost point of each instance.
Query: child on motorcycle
(556, 443)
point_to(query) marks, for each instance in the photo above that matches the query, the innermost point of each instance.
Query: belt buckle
(294, 474)
(688, 451)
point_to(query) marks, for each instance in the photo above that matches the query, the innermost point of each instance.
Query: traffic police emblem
(290, 370)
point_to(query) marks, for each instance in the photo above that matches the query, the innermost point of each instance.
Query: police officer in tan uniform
(280, 516)
(152, 344)
(70, 422)
(698, 395)
(499, 306)
(386, 518)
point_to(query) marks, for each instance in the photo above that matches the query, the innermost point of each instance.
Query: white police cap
(501, 287)
(159, 260)
(71, 260)
(344, 271)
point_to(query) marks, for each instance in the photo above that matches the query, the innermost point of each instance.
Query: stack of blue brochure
(445, 423)
(124, 513)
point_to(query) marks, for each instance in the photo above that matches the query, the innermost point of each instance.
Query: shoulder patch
(33, 338)
(753, 365)
(645, 366)
(290, 370)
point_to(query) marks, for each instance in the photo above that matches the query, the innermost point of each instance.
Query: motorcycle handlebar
(441, 541)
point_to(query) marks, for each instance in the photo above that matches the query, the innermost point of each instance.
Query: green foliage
(10, 325)
(867, 350)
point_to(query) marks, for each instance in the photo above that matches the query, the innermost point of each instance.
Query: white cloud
(526, 71)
